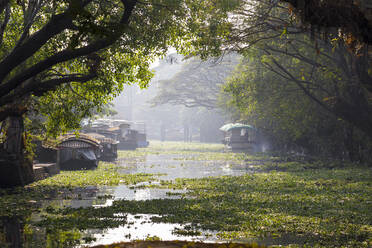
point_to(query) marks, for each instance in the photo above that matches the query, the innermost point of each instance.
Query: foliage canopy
(65, 58)
(311, 92)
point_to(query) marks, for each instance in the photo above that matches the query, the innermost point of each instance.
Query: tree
(197, 87)
(64, 58)
(287, 116)
(97, 45)
(198, 84)
(337, 79)
(288, 71)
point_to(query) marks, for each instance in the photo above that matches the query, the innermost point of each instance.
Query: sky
(156, 62)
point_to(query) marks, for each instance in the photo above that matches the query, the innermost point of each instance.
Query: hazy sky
(156, 62)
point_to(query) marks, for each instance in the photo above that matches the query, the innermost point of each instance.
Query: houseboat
(45, 152)
(140, 127)
(109, 146)
(240, 137)
(128, 137)
(78, 152)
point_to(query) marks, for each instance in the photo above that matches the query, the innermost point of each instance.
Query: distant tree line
(197, 86)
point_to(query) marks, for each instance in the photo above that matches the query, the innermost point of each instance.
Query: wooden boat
(77, 153)
(240, 137)
(109, 146)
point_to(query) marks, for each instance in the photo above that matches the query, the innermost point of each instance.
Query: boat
(240, 137)
(78, 152)
(109, 146)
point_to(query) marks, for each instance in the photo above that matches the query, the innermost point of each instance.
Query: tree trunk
(13, 231)
(15, 168)
(14, 132)
(355, 108)
(349, 143)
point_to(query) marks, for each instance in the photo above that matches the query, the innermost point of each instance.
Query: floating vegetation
(105, 174)
(187, 231)
(330, 207)
(177, 244)
(289, 202)
(323, 208)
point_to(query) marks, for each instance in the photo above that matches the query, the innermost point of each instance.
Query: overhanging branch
(66, 55)
(38, 88)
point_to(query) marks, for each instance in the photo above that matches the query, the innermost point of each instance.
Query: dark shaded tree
(336, 78)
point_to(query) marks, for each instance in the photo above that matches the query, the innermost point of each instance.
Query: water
(180, 166)
(171, 166)
(142, 228)
(139, 226)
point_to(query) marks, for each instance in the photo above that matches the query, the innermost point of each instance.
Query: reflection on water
(124, 192)
(173, 166)
(24, 231)
(141, 228)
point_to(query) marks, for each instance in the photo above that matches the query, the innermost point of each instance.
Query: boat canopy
(231, 126)
(82, 141)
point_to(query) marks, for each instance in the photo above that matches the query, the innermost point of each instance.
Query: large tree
(66, 59)
(291, 120)
(293, 69)
(96, 45)
(331, 74)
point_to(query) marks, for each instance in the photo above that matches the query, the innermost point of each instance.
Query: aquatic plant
(105, 174)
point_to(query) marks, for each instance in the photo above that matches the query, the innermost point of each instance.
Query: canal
(192, 192)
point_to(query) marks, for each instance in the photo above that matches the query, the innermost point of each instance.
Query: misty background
(171, 106)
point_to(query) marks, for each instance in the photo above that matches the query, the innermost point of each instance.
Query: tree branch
(29, 17)
(299, 84)
(38, 88)
(56, 25)
(66, 55)
(4, 23)
(51, 84)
